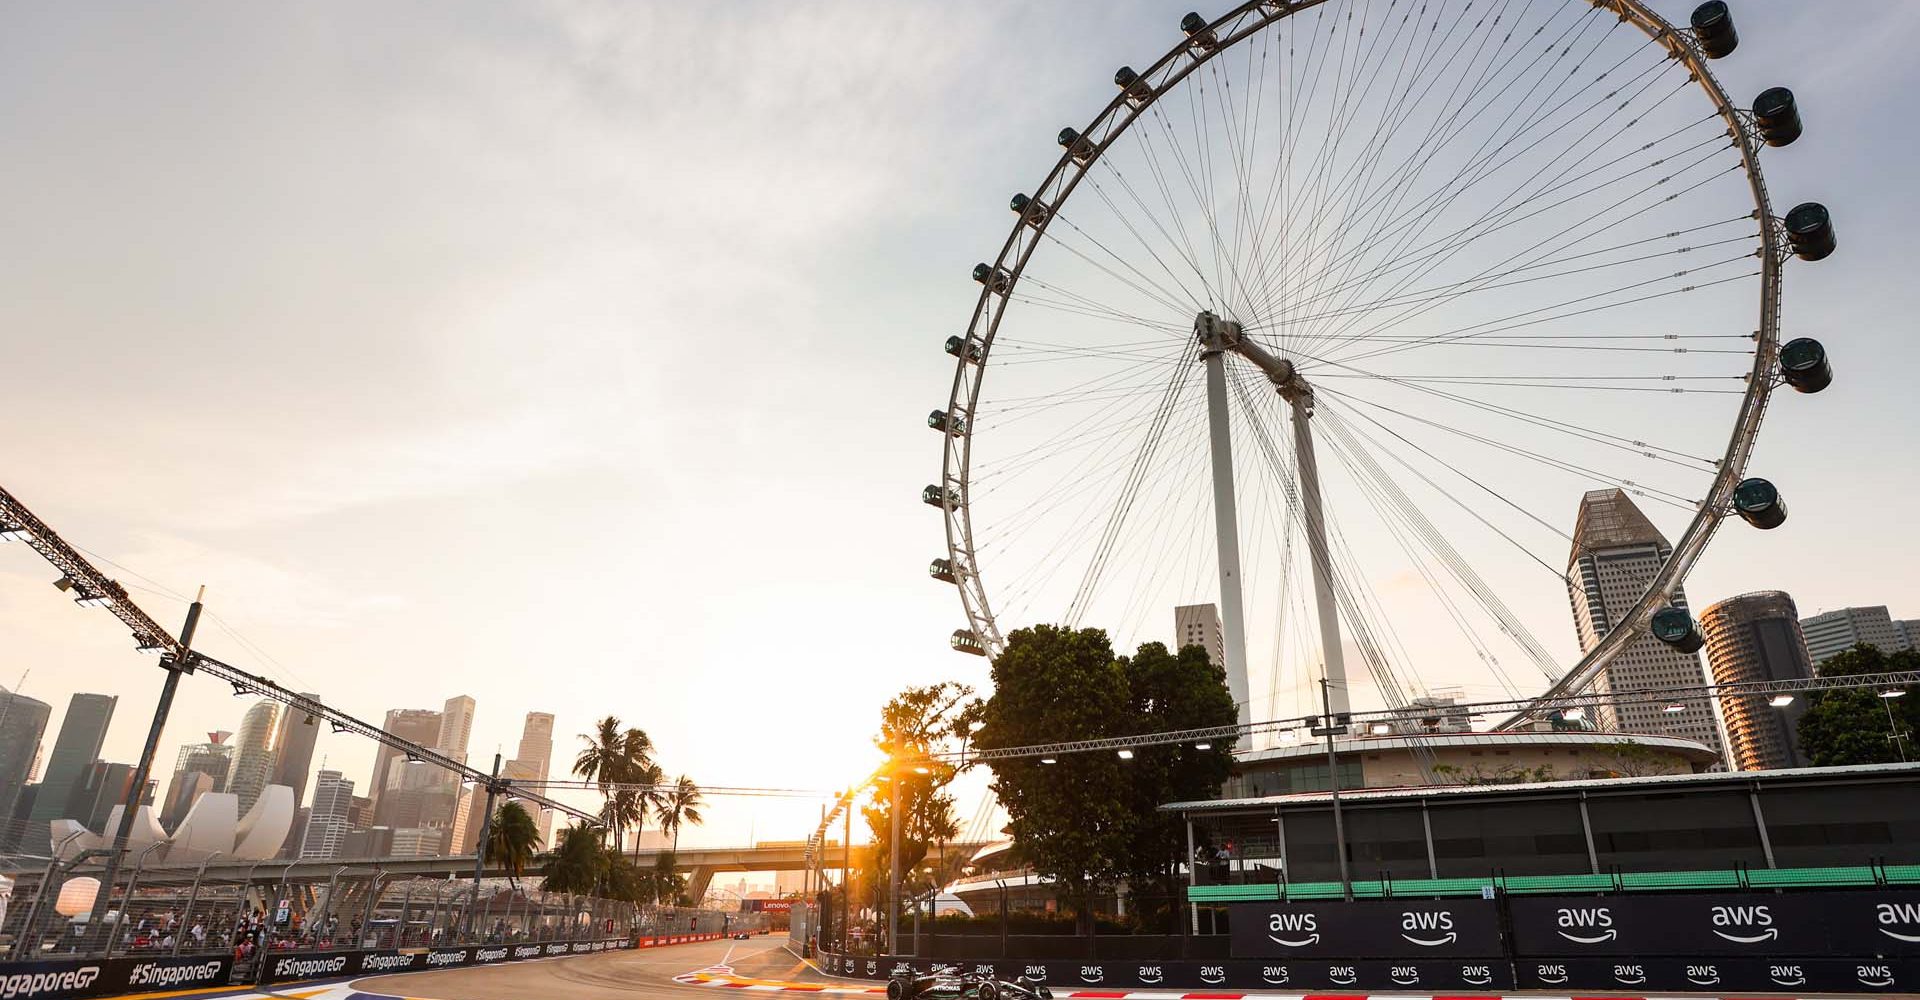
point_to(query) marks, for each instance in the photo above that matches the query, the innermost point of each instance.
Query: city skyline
(356, 550)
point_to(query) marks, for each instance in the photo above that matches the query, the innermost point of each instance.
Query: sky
(575, 357)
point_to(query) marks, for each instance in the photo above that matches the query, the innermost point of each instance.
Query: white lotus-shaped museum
(212, 827)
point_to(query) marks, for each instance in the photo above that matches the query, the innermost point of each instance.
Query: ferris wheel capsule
(1675, 627)
(1758, 503)
(966, 642)
(1777, 115)
(1197, 31)
(1810, 231)
(1804, 365)
(942, 570)
(1713, 26)
(1137, 90)
(959, 346)
(934, 496)
(1032, 210)
(994, 278)
(940, 420)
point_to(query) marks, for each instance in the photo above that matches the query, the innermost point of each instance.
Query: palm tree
(576, 863)
(612, 757)
(648, 797)
(682, 803)
(512, 840)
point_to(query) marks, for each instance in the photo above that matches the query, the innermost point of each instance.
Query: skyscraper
(200, 768)
(1199, 625)
(327, 821)
(293, 758)
(23, 721)
(415, 725)
(1831, 632)
(534, 758)
(82, 732)
(1756, 637)
(254, 753)
(1616, 552)
(456, 727)
(293, 742)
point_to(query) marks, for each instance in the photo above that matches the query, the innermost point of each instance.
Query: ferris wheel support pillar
(1213, 338)
(1301, 399)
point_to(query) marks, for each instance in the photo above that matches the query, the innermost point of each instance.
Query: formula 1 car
(963, 986)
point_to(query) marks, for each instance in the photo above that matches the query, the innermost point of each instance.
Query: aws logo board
(1379, 928)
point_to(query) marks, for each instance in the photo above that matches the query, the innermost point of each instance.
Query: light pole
(480, 847)
(174, 666)
(893, 863)
(1332, 727)
(1895, 735)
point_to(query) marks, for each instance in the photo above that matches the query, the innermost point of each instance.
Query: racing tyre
(989, 991)
(896, 989)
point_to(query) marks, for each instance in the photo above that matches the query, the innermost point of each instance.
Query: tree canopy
(1851, 726)
(1090, 819)
(917, 722)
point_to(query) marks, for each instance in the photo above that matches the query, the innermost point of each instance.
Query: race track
(638, 974)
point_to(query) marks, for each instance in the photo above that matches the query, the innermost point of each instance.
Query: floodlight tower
(1218, 337)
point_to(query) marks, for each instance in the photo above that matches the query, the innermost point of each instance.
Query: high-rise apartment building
(23, 721)
(456, 727)
(1910, 629)
(82, 732)
(415, 725)
(1199, 625)
(1831, 632)
(254, 754)
(327, 821)
(1616, 552)
(1756, 637)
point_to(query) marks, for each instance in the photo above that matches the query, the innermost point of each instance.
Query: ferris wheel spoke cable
(1591, 475)
(1617, 442)
(1129, 490)
(1097, 306)
(1317, 217)
(1093, 182)
(1498, 215)
(1549, 240)
(1394, 517)
(1399, 182)
(1497, 218)
(1359, 456)
(1146, 286)
(1467, 333)
(1337, 562)
(1491, 222)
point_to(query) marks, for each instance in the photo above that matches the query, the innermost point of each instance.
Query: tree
(917, 723)
(512, 840)
(681, 804)
(665, 884)
(1855, 725)
(616, 757)
(1170, 692)
(577, 862)
(1073, 821)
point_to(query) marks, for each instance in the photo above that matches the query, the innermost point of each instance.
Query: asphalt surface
(640, 974)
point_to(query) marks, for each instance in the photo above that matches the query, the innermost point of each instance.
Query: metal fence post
(374, 891)
(193, 895)
(126, 901)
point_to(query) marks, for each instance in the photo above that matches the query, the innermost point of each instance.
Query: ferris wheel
(1334, 313)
